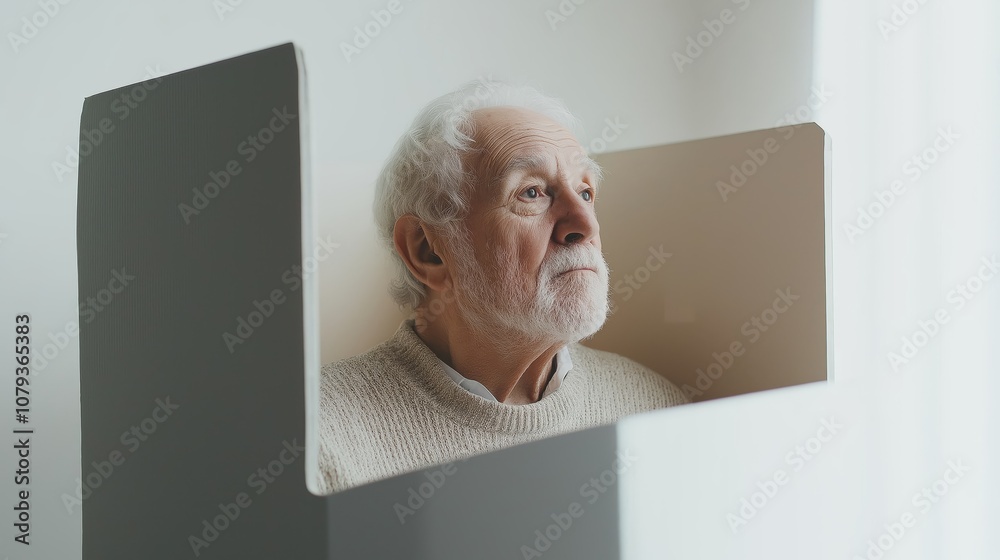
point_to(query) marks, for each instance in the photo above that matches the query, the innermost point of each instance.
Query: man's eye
(588, 196)
(532, 192)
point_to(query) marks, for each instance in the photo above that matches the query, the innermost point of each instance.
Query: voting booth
(720, 258)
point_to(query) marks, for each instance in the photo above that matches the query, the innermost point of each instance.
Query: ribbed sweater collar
(422, 373)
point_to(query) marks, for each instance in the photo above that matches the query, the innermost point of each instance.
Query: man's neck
(512, 367)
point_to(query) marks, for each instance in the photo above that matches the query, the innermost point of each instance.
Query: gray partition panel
(177, 418)
(511, 504)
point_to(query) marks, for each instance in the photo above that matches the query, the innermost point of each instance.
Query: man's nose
(576, 221)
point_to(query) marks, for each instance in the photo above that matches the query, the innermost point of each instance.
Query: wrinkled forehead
(508, 140)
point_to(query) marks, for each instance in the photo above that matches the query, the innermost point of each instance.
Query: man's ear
(415, 243)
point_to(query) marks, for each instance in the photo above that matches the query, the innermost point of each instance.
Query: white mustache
(571, 259)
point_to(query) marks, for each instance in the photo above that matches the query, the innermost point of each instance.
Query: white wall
(608, 60)
(917, 112)
(915, 149)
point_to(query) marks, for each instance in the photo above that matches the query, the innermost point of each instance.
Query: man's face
(534, 265)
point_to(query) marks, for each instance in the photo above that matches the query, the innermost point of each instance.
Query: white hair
(423, 175)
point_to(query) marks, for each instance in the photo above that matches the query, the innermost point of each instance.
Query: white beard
(566, 308)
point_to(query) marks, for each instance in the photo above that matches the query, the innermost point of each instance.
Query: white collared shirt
(563, 365)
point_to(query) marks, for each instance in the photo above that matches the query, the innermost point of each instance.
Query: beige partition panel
(719, 252)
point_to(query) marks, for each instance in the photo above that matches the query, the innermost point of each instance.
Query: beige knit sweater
(393, 409)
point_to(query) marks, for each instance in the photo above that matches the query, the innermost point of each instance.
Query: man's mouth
(580, 269)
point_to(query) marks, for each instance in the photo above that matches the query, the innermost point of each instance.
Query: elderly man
(487, 206)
